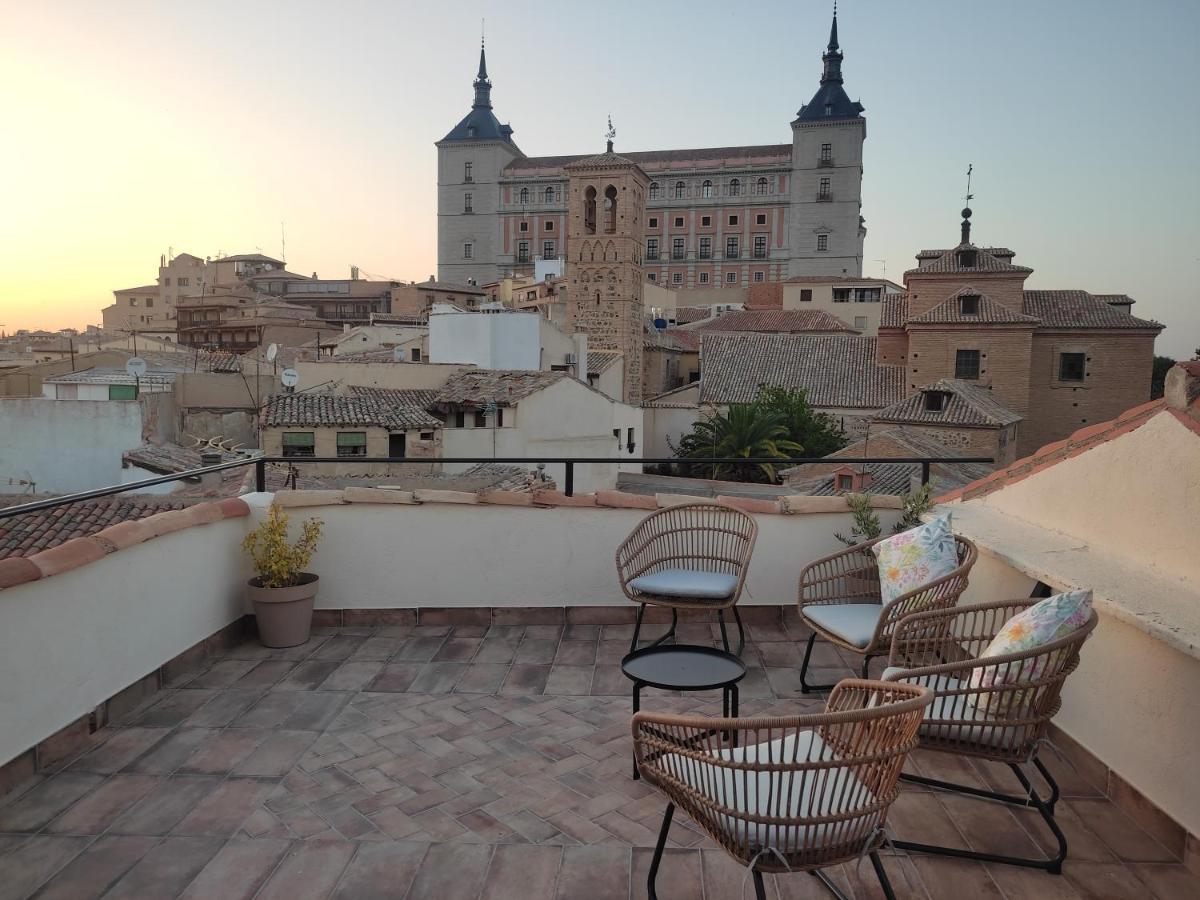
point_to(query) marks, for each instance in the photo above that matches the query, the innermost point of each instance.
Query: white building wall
(65, 445)
(508, 340)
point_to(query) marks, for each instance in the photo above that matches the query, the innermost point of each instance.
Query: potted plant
(867, 527)
(282, 592)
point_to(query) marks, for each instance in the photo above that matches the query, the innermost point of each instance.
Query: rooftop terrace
(471, 761)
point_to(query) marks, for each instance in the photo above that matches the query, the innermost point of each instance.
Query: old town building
(1059, 359)
(727, 216)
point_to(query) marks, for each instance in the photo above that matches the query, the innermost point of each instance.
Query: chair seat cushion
(803, 793)
(854, 623)
(686, 583)
(953, 716)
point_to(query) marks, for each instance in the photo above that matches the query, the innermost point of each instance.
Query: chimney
(314, 276)
(1183, 388)
(210, 481)
(581, 361)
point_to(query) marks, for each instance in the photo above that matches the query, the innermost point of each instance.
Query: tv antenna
(883, 264)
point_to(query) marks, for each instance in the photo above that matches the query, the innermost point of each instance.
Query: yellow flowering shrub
(278, 562)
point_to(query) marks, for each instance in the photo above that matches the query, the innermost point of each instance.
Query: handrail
(260, 464)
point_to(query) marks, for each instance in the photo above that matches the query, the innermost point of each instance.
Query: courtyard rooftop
(474, 761)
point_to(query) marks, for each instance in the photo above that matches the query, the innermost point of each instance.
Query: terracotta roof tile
(365, 407)
(834, 370)
(987, 259)
(33, 532)
(599, 360)
(967, 404)
(687, 314)
(791, 321)
(503, 387)
(895, 311)
(990, 312)
(1079, 309)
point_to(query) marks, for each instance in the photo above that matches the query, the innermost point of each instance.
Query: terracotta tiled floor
(471, 763)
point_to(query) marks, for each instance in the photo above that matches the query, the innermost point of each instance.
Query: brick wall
(891, 347)
(1117, 378)
(927, 291)
(377, 446)
(1004, 364)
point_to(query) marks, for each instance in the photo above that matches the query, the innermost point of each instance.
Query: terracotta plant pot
(283, 615)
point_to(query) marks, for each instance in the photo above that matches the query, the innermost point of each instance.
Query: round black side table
(680, 667)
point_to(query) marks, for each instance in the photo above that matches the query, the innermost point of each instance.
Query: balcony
(825, 162)
(824, 197)
(458, 724)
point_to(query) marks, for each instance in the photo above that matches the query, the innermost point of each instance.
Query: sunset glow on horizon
(138, 128)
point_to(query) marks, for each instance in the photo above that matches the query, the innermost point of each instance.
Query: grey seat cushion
(798, 793)
(950, 708)
(854, 623)
(687, 583)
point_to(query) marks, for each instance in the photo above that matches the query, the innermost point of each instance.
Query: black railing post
(925, 472)
(569, 487)
(260, 475)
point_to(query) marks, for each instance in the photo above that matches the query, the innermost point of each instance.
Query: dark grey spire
(833, 44)
(832, 57)
(483, 85)
(831, 101)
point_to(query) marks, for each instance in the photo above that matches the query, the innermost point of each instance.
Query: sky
(137, 128)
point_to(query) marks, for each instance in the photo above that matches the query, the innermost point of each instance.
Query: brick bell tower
(606, 205)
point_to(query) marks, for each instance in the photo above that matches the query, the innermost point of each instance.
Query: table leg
(637, 703)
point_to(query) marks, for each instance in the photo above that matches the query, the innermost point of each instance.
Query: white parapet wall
(70, 642)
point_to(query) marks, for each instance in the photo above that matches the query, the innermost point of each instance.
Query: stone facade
(607, 204)
(723, 217)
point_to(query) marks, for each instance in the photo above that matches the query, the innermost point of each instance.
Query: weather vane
(612, 132)
(969, 196)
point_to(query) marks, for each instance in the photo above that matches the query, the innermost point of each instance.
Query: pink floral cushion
(914, 558)
(1043, 623)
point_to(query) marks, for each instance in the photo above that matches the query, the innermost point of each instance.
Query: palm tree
(746, 430)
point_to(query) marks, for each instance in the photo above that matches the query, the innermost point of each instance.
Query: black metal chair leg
(883, 877)
(805, 687)
(637, 627)
(637, 630)
(760, 890)
(741, 632)
(828, 882)
(866, 665)
(724, 636)
(1030, 799)
(658, 851)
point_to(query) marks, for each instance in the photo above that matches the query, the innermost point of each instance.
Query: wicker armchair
(1002, 718)
(794, 793)
(690, 556)
(840, 600)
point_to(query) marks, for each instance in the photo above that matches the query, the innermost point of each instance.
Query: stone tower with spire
(470, 160)
(606, 209)
(826, 225)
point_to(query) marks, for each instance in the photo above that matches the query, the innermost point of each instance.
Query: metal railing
(260, 464)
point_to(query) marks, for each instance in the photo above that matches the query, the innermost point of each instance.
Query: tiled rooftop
(474, 762)
(782, 321)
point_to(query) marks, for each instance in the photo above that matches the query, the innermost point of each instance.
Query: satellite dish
(272, 352)
(398, 354)
(289, 377)
(660, 324)
(136, 366)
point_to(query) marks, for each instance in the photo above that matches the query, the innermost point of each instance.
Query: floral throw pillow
(1043, 623)
(915, 557)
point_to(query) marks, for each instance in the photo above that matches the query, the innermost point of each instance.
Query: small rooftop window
(968, 304)
(935, 401)
(968, 258)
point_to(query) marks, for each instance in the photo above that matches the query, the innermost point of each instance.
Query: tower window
(610, 210)
(968, 304)
(468, 250)
(467, 203)
(826, 152)
(589, 210)
(1072, 366)
(467, 172)
(966, 364)
(822, 242)
(824, 191)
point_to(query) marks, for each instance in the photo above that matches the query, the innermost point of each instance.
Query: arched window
(735, 187)
(706, 189)
(679, 189)
(610, 209)
(549, 195)
(654, 190)
(524, 195)
(762, 185)
(589, 210)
